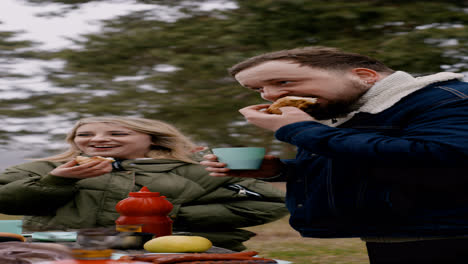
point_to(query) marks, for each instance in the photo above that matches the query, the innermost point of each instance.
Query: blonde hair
(169, 142)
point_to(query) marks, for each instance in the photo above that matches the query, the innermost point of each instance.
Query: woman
(56, 193)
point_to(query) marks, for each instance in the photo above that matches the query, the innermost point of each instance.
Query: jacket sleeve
(438, 137)
(233, 203)
(28, 189)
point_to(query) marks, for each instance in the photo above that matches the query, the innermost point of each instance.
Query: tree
(178, 69)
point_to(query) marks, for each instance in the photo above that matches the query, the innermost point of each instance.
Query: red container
(146, 209)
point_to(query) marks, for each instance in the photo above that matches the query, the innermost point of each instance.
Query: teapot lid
(144, 192)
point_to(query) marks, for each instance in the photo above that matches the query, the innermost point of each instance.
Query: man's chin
(332, 111)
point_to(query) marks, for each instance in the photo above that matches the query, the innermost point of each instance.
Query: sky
(53, 32)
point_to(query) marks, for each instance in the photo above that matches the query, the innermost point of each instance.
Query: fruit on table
(178, 243)
(11, 237)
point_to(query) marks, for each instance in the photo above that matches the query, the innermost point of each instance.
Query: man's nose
(272, 94)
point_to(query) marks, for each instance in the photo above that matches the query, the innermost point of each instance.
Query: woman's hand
(91, 169)
(271, 166)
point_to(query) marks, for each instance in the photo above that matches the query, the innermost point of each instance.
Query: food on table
(245, 257)
(245, 261)
(178, 243)
(303, 103)
(83, 160)
(5, 236)
(27, 252)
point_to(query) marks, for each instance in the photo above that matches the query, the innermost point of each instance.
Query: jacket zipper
(242, 191)
(360, 195)
(331, 193)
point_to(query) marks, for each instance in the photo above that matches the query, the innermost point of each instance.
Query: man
(383, 156)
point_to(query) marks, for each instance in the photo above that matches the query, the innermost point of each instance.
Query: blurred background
(62, 60)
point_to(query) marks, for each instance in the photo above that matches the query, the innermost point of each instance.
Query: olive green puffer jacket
(203, 205)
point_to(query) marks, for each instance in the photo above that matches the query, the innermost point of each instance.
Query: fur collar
(388, 91)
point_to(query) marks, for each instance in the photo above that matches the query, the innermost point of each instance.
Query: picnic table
(39, 248)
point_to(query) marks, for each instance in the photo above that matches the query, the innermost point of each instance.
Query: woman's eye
(83, 135)
(119, 134)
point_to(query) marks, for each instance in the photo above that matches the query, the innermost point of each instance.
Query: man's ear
(366, 75)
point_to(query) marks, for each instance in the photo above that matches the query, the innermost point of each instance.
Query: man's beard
(339, 108)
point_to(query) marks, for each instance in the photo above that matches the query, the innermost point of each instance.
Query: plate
(54, 236)
(118, 255)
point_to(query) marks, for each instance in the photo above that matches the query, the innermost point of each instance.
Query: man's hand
(271, 166)
(254, 115)
(88, 170)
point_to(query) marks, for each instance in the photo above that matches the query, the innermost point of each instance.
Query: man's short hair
(317, 57)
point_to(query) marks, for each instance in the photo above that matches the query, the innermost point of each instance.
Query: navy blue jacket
(402, 172)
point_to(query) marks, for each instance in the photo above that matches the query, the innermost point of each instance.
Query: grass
(280, 241)
(10, 217)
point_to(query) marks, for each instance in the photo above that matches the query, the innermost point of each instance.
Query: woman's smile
(101, 146)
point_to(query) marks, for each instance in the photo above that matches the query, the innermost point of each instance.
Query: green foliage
(6, 44)
(200, 97)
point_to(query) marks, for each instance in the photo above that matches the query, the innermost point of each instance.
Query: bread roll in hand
(303, 103)
(83, 160)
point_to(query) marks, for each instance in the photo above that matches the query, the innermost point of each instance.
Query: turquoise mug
(11, 226)
(244, 158)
